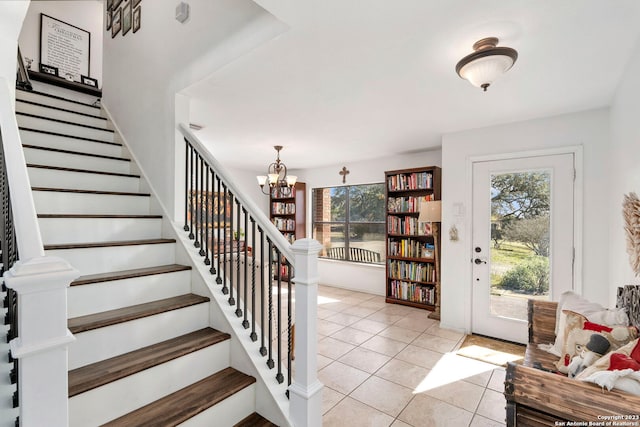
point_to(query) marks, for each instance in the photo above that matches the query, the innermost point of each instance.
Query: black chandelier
(277, 176)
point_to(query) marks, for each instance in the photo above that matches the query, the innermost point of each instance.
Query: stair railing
(252, 263)
(36, 289)
(9, 256)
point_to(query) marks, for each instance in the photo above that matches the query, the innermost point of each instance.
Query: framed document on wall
(65, 47)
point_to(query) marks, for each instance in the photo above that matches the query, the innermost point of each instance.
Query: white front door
(523, 239)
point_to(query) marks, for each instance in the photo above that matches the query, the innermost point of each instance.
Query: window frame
(347, 222)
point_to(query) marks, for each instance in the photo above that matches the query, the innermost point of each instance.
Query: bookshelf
(287, 212)
(411, 273)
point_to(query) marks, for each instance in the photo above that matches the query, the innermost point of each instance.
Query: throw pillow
(592, 311)
(578, 332)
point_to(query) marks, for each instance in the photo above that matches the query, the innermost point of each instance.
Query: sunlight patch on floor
(451, 368)
(488, 354)
(326, 300)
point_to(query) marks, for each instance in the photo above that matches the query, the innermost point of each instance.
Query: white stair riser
(97, 406)
(60, 103)
(116, 258)
(52, 178)
(104, 296)
(78, 230)
(227, 413)
(66, 116)
(52, 202)
(103, 343)
(64, 128)
(75, 161)
(72, 144)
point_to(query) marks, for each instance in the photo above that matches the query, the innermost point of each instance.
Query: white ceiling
(354, 80)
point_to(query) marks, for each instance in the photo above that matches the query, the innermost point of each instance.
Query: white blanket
(626, 380)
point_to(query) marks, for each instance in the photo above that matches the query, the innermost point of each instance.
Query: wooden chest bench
(536, 397)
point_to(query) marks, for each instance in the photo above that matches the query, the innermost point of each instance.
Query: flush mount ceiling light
(487, 63)
(277, 176)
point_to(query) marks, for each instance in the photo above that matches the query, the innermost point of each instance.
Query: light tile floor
(390, 365)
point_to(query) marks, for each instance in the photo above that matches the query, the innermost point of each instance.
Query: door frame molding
(578, 214)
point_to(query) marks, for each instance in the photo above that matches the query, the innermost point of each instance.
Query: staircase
(145, 353)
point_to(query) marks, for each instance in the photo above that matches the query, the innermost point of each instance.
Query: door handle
(478, 261)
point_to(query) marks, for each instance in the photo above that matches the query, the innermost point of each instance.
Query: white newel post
(41, 346)
(305, 393)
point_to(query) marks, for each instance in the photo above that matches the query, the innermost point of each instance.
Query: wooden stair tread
(59, 97)
(108, 244)
(36, 116)
(93, 116)
(76, 153)
(47, 132)
(187, 402)
(255, 420)
(138, 311)
(107, 193)
(100, 373)
(128, 274)
(64, 169)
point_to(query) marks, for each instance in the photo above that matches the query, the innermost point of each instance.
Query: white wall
(589, 129)
(12, 14)
(624, 169)
(144, 71)
(87, 15)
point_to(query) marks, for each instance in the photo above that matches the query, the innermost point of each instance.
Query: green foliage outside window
(351, 216)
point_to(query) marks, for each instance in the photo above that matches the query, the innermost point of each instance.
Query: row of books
(407, 225)
(284, 224)
(412, 292)
(407, 204)
(283, 208)
(410, 248)
(415, 271)
(283, 192)
(411, 181)
(291, 237)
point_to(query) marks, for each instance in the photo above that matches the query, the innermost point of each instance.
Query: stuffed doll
(578, 334)
(597, 347)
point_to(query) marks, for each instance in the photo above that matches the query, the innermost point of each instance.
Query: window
(349, 221)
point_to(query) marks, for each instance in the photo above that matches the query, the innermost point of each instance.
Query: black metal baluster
(270, 363)
(216, 232)
(245, 257)
(197, 204)
(279, 376)
(263, 349)
(223, 230)
(207, 221)
(290, 329)
(202, 195)
(236, 251)
(229, 249)
(186, 184)
(192, 201)
(16, 395)
(253, 336)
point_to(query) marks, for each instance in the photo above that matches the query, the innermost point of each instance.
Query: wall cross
(344, 172)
